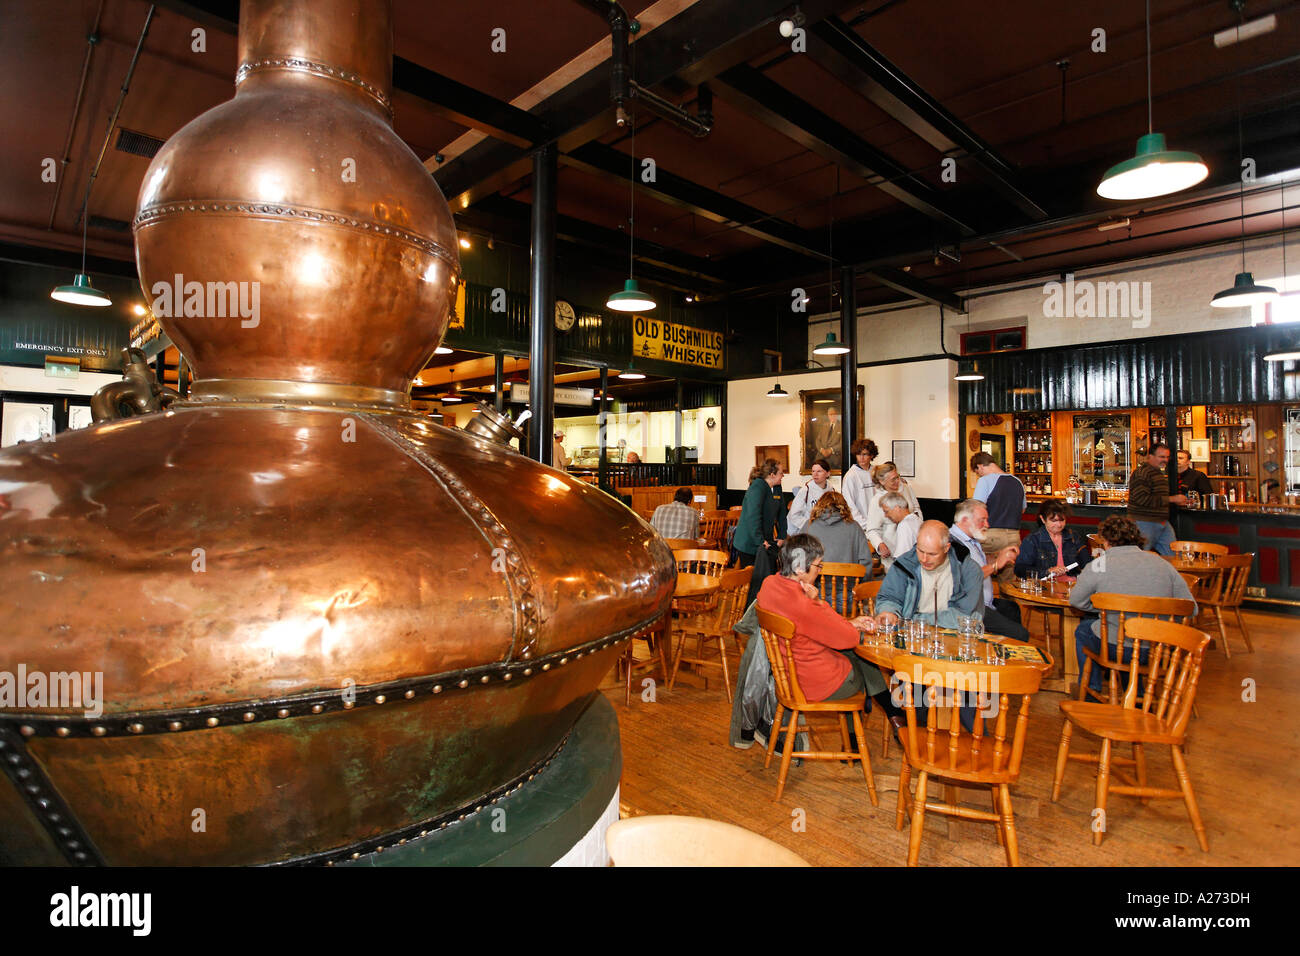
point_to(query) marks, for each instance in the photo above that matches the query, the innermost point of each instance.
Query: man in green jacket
(1149, 500)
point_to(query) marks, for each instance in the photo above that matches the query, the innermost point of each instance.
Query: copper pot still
(304, 621)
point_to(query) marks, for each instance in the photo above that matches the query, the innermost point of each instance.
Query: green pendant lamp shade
(968, 370)
(1243, 292)
(630, 299)
(630, 373)
(1153, 171)
(830, 346)
(778, 392)
(81, 292)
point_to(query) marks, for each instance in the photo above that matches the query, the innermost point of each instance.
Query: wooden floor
(1244, 760)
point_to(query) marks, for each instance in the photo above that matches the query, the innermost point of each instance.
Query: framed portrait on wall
(780, 452)
(821, 428)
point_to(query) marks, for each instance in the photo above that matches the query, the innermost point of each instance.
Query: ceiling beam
(797, 119)
(900, 281)
(837, 48)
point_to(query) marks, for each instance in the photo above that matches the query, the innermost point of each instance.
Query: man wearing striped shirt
(677, 519)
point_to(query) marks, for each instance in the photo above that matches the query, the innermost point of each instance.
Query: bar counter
(1274, 539)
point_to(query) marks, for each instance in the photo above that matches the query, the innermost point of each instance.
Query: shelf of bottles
(1032, 461)
(1231, 433)
(1159, 430)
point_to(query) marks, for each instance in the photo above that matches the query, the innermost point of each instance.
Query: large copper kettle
(323, 623)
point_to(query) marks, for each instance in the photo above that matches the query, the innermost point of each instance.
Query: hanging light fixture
(630, 298)
(831, 346)
(968, 370)
(778, 392)
(1244, 291)
(81, 292)
(1154, 170)
(442, 350)
(630, 373)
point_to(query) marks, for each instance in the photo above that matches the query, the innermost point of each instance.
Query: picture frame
(903, 454)
(820, 411)
(780, 452)
(1199, 449)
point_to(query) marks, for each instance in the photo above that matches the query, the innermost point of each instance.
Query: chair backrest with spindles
(837, 581)
(732, 589)
(1131, 607)
(864, 598)
(714, 525)
(1229, 587)
(1173, 671)
(1199, 547)
(701, 561)
(1095, 541)
(958, 751)
(778, 636)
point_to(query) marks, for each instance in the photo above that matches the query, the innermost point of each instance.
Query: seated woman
(1053, 548)
(824, 661)
(842, 540)
(1123, 568)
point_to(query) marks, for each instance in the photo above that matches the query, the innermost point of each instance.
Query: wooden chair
(701, 561)
(714, 625)
(1199, 547)
(864, 599)
(959, 758)
(778, 636)
(657, 642)
(1129, 607)
(837, 581)
(1174, 669)
(1226, 592)
(1097, 547)
(714, 527)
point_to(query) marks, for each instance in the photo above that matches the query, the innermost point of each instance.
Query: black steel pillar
(849, 368)
(1172, 440)
(677, 426)
(499, 382)
(602, 471)
(541, 297)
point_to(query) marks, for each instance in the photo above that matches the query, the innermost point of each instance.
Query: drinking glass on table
(886, 633)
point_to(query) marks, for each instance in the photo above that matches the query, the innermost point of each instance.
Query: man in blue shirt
(969, 533)
(1004, 496)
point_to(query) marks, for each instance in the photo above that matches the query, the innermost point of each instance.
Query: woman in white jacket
(807, 497)
(879, 528)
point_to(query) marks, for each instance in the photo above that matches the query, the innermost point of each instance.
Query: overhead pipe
(91, 40)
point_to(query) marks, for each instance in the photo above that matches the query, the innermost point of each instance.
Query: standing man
(857, 486)
(1149, 500)
(1189, 479)
(1004, 496)
(559, 459)
(969, 535)
(829, 438)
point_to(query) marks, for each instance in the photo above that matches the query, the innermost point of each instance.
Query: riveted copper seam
(392, 692)
(45, 802)
(298, 65)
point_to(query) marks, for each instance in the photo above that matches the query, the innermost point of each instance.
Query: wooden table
(695, 585)
(1205, 572)
(883, 657)
(1054, 597)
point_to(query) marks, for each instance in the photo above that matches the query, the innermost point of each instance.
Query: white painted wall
(914, 400)
(1180, 289)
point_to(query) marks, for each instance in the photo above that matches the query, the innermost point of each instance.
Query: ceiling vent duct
(137, 144)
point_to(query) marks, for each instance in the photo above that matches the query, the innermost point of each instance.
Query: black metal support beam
(901, 281)
(467, 106)
(602, 470)
(611, 164)
(772, 104)
(848, 368)
(499, 382)
(836, 47)
(541, 287)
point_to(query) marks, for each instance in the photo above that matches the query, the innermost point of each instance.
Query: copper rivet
(409, 694)
(528, 671)
(546, 667)
(507, 676)
(136, 728)
(484, 679)
(564, 660)
(348, 704)
(437, 688)
(212, 721)
(317, 708)
(380, 698)
(463, 684)
(61, 731)
(98, 731)
(379, 849)
(402, 842)
(282, 712)
(26, 730)
(249, 715)
(174, 725)
(424, 833)
(356, 856)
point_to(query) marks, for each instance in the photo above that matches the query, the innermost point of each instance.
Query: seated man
(931, 575)
(1001, 615)
(1122, 568)
(677, 519)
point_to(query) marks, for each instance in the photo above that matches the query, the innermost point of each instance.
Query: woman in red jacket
(824, 661)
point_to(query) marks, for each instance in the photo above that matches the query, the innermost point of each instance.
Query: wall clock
(565, 317)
